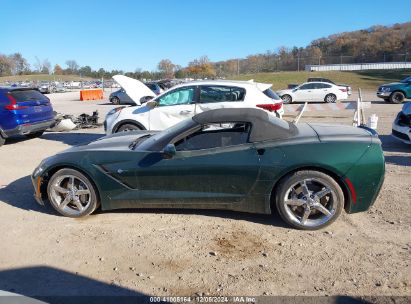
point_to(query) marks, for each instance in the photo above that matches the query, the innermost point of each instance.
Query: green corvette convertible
(233, 159)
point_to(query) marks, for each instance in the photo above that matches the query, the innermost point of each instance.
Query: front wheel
(397, 97)
(2, 140)
(72, 194)
(309, 200)
(35, 134)
(330, 98)
(128, 127)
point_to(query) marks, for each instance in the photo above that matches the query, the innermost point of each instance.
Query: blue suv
(24, 111)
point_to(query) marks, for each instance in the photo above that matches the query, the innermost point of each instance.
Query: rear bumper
(402, 133)
(29, 128)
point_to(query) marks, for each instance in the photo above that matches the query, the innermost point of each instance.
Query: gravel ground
(157, 252)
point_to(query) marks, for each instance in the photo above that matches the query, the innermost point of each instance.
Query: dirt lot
(178, 252)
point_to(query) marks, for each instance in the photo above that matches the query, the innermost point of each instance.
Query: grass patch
(369, 79)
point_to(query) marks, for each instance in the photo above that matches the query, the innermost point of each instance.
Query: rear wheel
(115, 100)
(287, 98)
(309, 200)
(128, 127)
(397, 97)
(72, 194)
(330, 98)
(35, 134)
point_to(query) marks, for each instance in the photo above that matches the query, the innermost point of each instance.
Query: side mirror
(169, 151)
(151, 104)
(145, 99)
(295, 90)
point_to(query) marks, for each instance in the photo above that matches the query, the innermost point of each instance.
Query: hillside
(44, 77)
(368, 80)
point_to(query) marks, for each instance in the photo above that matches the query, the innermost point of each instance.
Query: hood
(391, 84)
(336, 132)
(406, 108)
(115, 142)
(134, 88)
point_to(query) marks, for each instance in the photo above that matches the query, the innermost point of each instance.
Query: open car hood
(134, 88)
(261, 86)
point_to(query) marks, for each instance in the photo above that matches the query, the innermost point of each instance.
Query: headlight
(115, 110)
(385, 89)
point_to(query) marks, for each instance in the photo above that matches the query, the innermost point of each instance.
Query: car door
(216, 166)
(213, 97)
(319, 91)
(173, 107)
(303, 93)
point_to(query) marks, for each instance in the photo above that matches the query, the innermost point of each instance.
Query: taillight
(343, 90)
(13, 104)
(271, 106)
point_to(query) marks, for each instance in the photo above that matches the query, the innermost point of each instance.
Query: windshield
(158, 141)
(408, 79)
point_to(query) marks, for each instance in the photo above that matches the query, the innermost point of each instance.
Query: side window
(177, 97)
(209, 94)
(215, 136)
(307, 86)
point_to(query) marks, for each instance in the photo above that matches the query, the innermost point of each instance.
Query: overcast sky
(127, 34)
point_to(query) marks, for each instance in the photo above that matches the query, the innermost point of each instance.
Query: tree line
(375, 44)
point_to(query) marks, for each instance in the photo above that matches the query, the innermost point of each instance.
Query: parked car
(401, 127)
(23, 111)
(154, 87)
(185, 101)
(314, 91)
(317, 79)
(396, 92)
(121, 97)
(241, 159)
(44, 88)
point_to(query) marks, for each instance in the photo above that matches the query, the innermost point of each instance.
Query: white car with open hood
(314, 92)
(186, 100)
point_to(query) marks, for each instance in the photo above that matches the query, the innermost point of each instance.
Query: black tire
(127, 127)
(35, 134)
(2, 140)
(115, 100)
(287, 98)
(397, 97)
(330, 98)
(293, 216)
(71, 210)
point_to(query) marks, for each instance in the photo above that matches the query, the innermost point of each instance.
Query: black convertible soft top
(264, 126)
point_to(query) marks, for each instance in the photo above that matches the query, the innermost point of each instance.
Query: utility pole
(238, 66)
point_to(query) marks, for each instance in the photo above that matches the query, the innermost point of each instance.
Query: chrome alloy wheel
(70, 194)
(310, 202)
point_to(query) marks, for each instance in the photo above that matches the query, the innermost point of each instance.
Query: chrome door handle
(185, 112)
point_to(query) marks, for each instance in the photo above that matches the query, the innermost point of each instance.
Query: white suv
(187, 100)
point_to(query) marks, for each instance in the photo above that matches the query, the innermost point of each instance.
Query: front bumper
(29, 128)
(37, 182)
(402, 133)
(383, 94)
